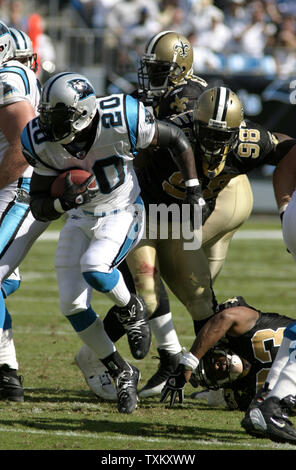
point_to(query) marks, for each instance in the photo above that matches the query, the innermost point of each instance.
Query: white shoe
(95, 374)
(213, 397)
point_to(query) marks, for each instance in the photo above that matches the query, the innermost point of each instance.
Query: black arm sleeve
(173, 138)
(41, 203)
(43, 209)
(280, 151)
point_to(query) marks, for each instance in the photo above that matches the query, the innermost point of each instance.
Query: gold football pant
(190, 273)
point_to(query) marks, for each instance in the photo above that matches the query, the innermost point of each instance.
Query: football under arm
(173, 138)
(41, 202)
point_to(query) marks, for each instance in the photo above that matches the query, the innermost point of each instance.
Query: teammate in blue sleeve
(19, 93)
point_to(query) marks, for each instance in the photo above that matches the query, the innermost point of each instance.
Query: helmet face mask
(167, 60)
(30, 62)
(7, 47)
(67, 106)
(24, 49)
(218, 115)
(218, 368)
(57, 122)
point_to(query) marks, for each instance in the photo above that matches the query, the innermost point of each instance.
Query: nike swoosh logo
(277, 423)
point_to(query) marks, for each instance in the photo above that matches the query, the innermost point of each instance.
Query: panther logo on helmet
(82, 87)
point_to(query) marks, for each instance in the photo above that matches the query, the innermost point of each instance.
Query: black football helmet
(217, 368)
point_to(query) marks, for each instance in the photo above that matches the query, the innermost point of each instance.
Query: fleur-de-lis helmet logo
(182, 49)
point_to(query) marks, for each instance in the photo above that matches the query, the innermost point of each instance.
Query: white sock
(279, 362)
(97, 339)
(7, 349)
(286, 383)
(165, 333)
(119, 295)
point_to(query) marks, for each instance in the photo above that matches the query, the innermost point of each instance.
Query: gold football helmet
(167, 60)
(218, 114)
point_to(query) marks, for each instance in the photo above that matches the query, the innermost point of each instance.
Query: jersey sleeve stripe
(27, 142)
(131, 112)
(22, 73)
(28, 147)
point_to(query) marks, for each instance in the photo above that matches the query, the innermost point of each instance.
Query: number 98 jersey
(121, 126)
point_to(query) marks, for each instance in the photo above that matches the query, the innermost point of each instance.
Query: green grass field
(60, 413)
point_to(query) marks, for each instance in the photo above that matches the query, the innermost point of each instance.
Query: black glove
(77, 194)
(174, 386)
(197, 203)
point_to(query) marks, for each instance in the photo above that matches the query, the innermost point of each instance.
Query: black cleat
(135, 321)
(126, 385)
(10, 385)
(258, 399)
(288, 405)
(168, 364)
(269, 420)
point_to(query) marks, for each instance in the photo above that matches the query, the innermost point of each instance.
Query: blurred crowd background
(248, 44)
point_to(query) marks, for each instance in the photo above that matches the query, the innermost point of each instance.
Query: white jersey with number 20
(123, 126)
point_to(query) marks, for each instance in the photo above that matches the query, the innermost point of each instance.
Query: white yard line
(120, 437)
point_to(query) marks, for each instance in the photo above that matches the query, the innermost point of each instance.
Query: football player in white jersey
(102, 136)
(19, 98)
